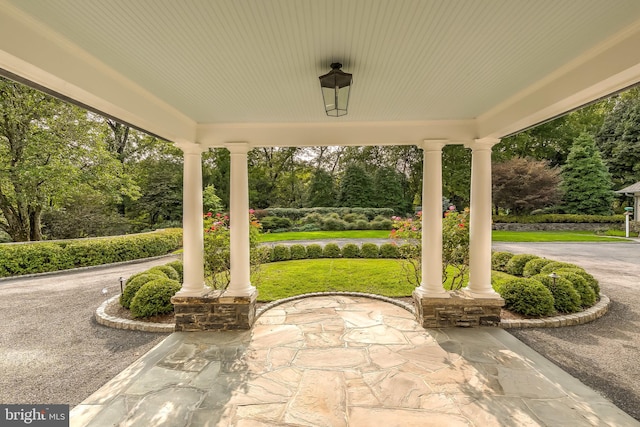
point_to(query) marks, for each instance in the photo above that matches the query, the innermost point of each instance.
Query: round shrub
(382, 224)
(134, 284)
(528, 297)
(516, 264)
(534, 266)
(298, 252)
(275, 223)
(178, 266)
(154, 298)
(351, 250)
(331, 250)
(333, 224)
(388, 250)
(369, 250)
(499, 260)
(314, 251)
(591, 281)
(354, 217)
(281, 253)
(565, 297)
(360, 225)
(587, 295)
(556, 265)
(170, 272)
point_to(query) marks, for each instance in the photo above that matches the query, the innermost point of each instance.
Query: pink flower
(251, 211)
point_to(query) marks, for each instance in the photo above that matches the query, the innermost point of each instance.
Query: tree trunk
(35, 216)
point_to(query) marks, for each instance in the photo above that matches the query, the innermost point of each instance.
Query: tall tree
(523, 185)
(356, 188)
(322, 191)
(586, 182)
(388, 191)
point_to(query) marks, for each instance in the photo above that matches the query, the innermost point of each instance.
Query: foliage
(322, 190)
(527, 296)
(388, 190)
(356, 187)
(533, 266)
(516, 264)
(298, 252)
(558, 218)
(154, 298)
(314, 251)
(586, 182)
(389, 250)
(281, 253)
(350, 250)
(134, 284)
(167, 271)
(456, 174)
(331, 250)
(295, 213)
(38, 257)
(178, 266)
(556, 265)
(565, 298)
(591, 281)
(275, 223)
(369, 250)
(522, 185)
(210, 201)
(499, 260)
(587, 295)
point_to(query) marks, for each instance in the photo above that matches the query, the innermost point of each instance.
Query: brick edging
(134, 325)
(580, 318)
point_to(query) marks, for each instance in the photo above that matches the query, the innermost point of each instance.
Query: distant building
(633, 190)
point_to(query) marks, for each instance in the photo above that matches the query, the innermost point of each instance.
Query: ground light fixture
(554, 276)
(121, 279)
(335, 86)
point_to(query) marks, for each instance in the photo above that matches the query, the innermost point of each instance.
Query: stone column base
(457, 310)
(214, 311)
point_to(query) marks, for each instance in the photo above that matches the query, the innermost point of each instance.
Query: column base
(425, 293)
(457, 309)
(489, 294)
(214, 311)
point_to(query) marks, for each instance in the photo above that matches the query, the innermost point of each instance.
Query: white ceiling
(223, 70)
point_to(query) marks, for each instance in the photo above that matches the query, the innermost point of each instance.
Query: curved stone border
(586, 316)
(409, 307)
(135, 325)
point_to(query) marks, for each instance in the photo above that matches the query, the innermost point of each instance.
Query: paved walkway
(338, 361)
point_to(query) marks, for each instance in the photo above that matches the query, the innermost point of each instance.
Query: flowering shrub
(216, 247)
(455, 246)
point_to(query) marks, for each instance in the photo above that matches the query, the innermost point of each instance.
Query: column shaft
(240, 284)
(192, 223)
(431, 284)
(480, 220)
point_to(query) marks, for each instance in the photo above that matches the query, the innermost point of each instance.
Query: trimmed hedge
(154, 298)
(565, 298)
(351, 250)
(591, 281)
(388, 250)
(528, 297)
(281, 253)
(39, 257)
(134, 284)
(516, 264)
(534, 266)
(167, 271)
(587, 295)
(331, 250)
(314, 251)
(178, 266)
(295, 214)
(557, 218)
(499, 260)
(298, 251)
(556, 265)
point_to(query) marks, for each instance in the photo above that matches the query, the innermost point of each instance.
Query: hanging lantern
(336, 85)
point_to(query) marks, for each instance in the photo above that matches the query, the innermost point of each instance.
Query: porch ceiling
(215, 71)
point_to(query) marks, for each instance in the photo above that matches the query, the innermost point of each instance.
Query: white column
(480, 220)
(240, 284)
(192, 223)
(431, 285)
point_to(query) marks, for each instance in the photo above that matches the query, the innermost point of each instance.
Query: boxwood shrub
(534, 266)
(565, 298)
(528, 297)
(281, 253)
(314, 251)
(331, 250)
(389, 250)
(178, 266)
(154, 298)
(167, 270)
(134, 284)
(298, 251)
(369, 250)
(557, 265)
(591, 281)
(499, 260)
(351, 250)
(586, 292)
(516, 264)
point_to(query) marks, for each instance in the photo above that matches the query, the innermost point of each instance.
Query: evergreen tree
(356, 188)
(389, 191)
(322, 190)
(586, 180)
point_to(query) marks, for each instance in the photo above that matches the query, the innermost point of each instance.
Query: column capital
(433, 144)
(482, 143)
(239, 147)
(191, 147)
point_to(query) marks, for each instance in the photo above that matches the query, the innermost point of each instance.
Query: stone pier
(457, 309)
(214, 311)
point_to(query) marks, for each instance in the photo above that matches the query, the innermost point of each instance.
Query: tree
(322, 190)
(586, 181)
(388, 190)
(356, 188)
(523, 185)
(210, 201)
(456, 174)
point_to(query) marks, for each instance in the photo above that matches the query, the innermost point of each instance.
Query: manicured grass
(321, 235)
(549, 236)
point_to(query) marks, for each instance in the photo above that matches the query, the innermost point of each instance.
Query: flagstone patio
(339, 361)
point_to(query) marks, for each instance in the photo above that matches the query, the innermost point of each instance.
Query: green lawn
(498, 236)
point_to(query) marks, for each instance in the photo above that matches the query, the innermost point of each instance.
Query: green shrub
(298, 252)
(333, 224)
(369, 250)
(351, 250)
(178, 266)
(154, 298)
(587, 295)
(388, 250)
(527, 296)
(534, 266)
(558, 218)
(134, 284)
(499, 260)
(354, 217)
(275, 223)
(385, 224)
(516, 264)
(281, 253)
(314, 251)
(565, 298)
(556, 265)
(167, 271)
(331, 250)
(312, 218)
(591, 281)
(360, 225)
(295, 213)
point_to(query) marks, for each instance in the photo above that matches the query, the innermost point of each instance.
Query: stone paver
(345, 361)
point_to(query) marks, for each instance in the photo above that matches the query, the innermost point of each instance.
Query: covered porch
(244, 74)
